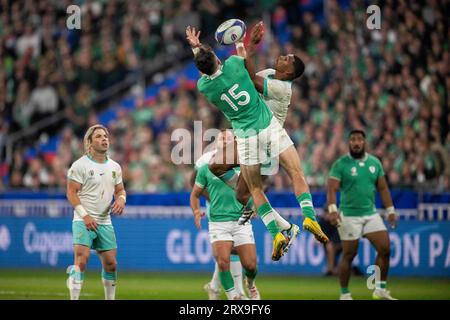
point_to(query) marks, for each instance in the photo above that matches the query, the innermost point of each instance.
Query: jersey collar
(366, 155)
(217, 73)
(92, 159)
(272, 77)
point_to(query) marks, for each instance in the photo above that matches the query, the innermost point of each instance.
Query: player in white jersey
(93, 181)
(276, 92)
(213, 287)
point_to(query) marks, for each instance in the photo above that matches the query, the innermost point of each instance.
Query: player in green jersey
(359, 175)
(224, 231)
(213, 286)
(260, 136)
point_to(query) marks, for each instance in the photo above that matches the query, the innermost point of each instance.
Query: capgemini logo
(5, 238)
(49, 244)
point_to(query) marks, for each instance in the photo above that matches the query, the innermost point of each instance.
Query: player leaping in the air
(275, 86)
(259, 135)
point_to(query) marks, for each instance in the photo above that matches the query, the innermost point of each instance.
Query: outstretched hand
(193, 37)
(257, 33)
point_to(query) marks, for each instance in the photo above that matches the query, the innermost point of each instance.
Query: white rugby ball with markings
(231, 31)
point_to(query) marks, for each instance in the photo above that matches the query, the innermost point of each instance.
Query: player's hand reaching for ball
(193, 37)
(257, 33)
(90, 223)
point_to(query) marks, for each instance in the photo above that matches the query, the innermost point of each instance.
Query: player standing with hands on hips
(359, 175)
(93, 181)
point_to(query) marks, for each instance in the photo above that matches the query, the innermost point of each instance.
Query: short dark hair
(355, 131)
(205, 60)
(299, 67)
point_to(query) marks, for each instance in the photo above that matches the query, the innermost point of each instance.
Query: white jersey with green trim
(277, 94)
(98, 182)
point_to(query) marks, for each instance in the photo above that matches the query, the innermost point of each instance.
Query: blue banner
(410, 205)
(417, 248)
(402, 199)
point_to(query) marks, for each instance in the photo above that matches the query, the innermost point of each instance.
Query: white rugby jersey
(98, 182)
(277, 94)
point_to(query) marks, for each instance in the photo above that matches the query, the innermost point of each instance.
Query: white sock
(215, 281)
(282, 223)
(236, 272)
(110, 289)
(74, 287)
(74, 282)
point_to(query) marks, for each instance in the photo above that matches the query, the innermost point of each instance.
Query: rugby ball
(231, 31)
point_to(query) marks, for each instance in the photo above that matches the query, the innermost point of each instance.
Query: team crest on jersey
(114, 174)
(354, 173)
(91, 173)
(372, 169)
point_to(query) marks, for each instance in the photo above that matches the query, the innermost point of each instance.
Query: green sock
(265, 212)
(381, 284)
(306, 203)
(226, 279)
(251, 275)
(109, 275)
(344, 290)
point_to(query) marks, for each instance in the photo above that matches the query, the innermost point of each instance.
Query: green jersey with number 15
(231, 90)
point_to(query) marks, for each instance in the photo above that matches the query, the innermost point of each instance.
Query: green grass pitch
(51, 284)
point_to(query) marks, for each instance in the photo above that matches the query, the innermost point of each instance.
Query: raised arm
(240, 49)
(255, 38)
(193, 38)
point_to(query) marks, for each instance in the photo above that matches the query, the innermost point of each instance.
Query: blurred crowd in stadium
(393, 82)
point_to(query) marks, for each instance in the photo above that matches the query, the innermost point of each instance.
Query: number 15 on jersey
(235, 97)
